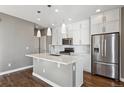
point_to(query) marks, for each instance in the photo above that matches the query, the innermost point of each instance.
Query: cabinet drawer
(108, 70)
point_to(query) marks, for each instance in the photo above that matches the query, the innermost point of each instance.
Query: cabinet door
(84, 32)
(97, 19)
(59, 36)
(112, 15)
(96, 29)
(54, 36)
(69, 31)
(76, 37)
(75, 26)
(112, 27)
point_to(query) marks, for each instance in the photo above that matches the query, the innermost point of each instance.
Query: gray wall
(122, 43)
(15, 35)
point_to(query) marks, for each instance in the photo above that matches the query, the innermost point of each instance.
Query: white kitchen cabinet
(69, 31)
(96, 28)
(84, 32)
(112, 15)
(60, 36)
(85, 58)
(73, 31)
(97, 19)
(56, 36)
(76, 37)
(75, 26)
(106, 22)
(79, 31)
(111, 27)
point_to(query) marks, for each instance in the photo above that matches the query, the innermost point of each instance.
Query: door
(111, 47)
(97, 47)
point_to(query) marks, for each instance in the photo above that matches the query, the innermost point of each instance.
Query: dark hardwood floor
(98, 81)
(25, 79)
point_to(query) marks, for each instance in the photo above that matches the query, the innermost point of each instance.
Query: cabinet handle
(102, 47)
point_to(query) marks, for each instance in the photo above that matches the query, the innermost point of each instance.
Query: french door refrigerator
(105, 55)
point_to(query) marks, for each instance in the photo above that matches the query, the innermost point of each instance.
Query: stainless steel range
(105, 55)
(67, 51)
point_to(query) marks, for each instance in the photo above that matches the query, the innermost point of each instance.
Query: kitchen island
(58, 70)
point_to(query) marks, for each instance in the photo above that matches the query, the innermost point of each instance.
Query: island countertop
(62, 59)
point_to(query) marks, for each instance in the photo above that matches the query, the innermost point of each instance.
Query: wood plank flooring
(25, 79)
(98, 81)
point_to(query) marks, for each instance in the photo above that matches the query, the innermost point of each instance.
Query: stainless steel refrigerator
(105, 55)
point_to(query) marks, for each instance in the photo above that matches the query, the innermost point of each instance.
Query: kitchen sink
(55, 54)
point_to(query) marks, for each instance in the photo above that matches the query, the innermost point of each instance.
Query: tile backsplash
(78, 49)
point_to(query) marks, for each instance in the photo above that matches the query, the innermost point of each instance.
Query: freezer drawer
(107, 70)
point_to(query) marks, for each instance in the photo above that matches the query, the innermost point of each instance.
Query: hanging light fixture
(49, 32)
(38, 33)
(63, 29)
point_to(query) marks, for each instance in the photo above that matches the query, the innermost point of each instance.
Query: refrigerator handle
(105, 47)
(102, 47)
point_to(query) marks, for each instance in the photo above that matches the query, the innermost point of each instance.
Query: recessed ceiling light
(69, 19)
(38, 19)
(56, 10)
(98, 10)
(52, 24)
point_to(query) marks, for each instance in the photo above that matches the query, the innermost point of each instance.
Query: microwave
(67, 41)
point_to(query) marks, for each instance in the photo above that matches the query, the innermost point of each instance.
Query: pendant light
(49, 32)
(63, 29)
(38, 33)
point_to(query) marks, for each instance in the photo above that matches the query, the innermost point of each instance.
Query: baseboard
(15, 70)
(122, 79)
(46, 80)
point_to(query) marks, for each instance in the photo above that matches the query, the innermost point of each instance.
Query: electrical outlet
(9, 65)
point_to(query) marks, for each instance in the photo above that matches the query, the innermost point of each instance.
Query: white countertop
(62, 59)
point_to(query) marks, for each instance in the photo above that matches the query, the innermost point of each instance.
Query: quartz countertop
(62, 59)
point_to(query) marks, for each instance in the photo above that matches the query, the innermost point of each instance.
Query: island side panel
(61, 75)
(79, 73)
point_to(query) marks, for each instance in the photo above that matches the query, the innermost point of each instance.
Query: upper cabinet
(79, 31)
(56, 36)
(112, 15)
(105, 22)
(84, 32)
(97, 19)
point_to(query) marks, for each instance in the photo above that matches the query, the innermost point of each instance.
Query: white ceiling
(48, 16)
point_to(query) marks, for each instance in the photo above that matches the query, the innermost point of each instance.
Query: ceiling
(48, 16)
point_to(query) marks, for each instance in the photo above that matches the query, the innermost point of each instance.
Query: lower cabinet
(58, 74)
